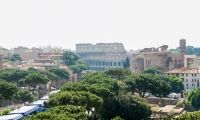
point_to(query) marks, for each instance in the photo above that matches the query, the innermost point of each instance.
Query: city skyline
(136, 24)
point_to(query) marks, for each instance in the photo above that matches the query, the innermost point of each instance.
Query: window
(192, 85)
(187, 84)
(186, 74)
(192, 80)
(183, 79)
(135, 67)
(182, 74)
(186, 80)
(192, 74)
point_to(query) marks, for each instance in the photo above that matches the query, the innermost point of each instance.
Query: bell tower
(182, 51)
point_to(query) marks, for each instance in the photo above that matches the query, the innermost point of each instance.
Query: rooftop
(182, 70)
(169, 108)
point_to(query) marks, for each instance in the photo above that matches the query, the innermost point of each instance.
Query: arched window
(115, 64)
(103, 63)
(110, 63)
(119, 63)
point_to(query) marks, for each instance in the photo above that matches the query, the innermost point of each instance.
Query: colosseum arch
(103, 63)
(115, 63)
(119, 63)
(110, 63)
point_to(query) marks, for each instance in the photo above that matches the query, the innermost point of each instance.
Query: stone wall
(28, 55)
(158, 58)
(102, 56)
(101, 47)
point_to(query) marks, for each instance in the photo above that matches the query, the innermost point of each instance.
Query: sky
(135, 23)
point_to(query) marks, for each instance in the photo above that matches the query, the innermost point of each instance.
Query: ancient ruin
(159, 58)
(102, 56)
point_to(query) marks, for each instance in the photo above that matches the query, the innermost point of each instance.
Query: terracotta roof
(184, 71)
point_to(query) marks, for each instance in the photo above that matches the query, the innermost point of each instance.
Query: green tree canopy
(49, 75)
(144, 83)
(118, 73)
(79, 98)
(77, 68)
(127, 63)
(24, 96)
(59, 72)
(127, 107)
(176, 84)
(100, 79)
(15, 57)
(152, 71)
(48, 116)
(64, 112)
(95, 89)
(12, 75)
(34, 80)
(7, 90)
(69, 58)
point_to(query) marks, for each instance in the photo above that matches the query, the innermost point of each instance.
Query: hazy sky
(135, 23)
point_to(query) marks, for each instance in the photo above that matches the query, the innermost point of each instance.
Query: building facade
(190, 73)
(159, 58)
(190, 77)
(51, 55)
(26, 53)
(102, 56)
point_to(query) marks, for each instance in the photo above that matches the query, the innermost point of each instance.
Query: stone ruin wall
(101, 47)
(103, 55)
(163, 61)
(162, 48)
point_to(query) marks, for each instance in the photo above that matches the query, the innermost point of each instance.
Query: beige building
(159, 58)
(51, 55)
(44, 63)
(26, 53)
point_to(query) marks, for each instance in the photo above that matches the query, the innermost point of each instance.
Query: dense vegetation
(12, 79)
(75, 63)
(106, 95)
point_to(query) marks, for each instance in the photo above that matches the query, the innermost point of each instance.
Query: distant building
(26, 53)
(102, 56)
(46, 63)
(5, 53)
(190, 73)
(51, 55)
(158, 58)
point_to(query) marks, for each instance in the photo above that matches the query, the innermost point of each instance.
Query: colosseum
(102, 56)
(159, 58)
